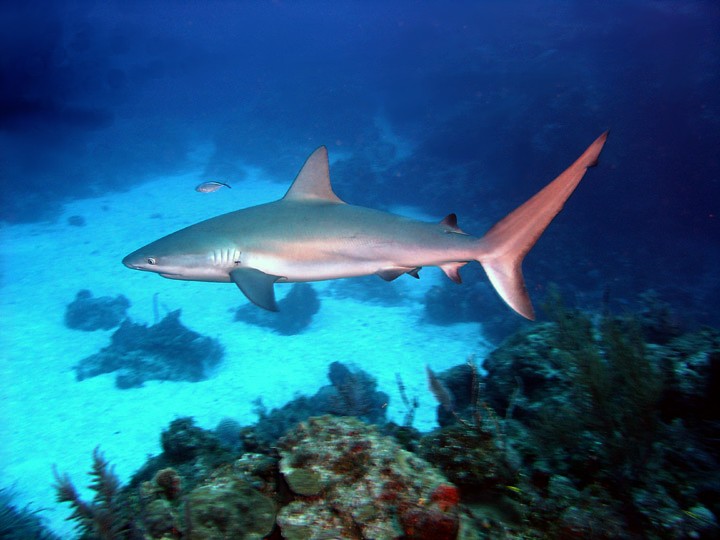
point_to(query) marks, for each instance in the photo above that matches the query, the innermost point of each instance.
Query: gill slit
(226, 257)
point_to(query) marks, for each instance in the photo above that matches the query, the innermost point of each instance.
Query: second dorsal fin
(313, 180)
(451, 225)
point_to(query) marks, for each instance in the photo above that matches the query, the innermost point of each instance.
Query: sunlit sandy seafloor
(49, 418)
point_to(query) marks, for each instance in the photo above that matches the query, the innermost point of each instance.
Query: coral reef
(295, 311)
(335, 476)
(188, 491)
(603, 417)
(472, 459)
(352, 392)
(228, 432)
(192, 453)
(165, 351)
(88, 313)
(659, 322)
(586, 426)
(227, 506)
(183, 441)
(351, 482)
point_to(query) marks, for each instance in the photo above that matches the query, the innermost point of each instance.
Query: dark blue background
(496, 98)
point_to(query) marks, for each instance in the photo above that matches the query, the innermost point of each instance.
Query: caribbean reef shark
(311, 235)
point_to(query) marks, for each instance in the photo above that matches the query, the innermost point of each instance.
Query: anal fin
(257, 286)
(452, 270)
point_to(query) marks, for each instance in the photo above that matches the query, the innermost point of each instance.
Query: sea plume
(99, 517)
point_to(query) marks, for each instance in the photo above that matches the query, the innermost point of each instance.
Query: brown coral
(364, 486)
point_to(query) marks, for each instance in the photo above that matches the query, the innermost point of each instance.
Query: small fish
(209, 187)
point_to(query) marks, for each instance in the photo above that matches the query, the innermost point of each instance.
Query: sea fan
(100, 517)
(21, 523)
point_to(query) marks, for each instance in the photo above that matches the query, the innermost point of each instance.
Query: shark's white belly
(309, 262)
(299, 271)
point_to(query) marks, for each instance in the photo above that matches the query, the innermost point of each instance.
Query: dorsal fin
(313, 180)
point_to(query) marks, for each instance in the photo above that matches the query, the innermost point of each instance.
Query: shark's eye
(150, 260)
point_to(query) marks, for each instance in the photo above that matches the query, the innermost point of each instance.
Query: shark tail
(505, 245)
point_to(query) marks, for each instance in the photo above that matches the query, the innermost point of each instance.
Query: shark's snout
(134, 261)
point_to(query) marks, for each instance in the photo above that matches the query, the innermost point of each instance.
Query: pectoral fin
(257, 286)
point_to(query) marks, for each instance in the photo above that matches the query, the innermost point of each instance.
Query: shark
(311, 234)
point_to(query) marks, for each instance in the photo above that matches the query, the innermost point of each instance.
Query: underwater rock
(295, 311)
(169, 482)
(160, 519)
(156, 503)
(183, 441)
(629, 425)
(471, 458)
(165, 351)
(154, 499)
(704, 523)
(429, 524)
(597, 522)
(304, 481)
(528, 369)
(262, 471)
(76, 221)
(222, 504)
(660, 323)
(692, 376)
(273, 424)
(458, 382)
(228, 431)
(359, 484)
(228, 507)
(353, 392)
(189, 454)
(88, 313)
(540, 463)
(667, 515)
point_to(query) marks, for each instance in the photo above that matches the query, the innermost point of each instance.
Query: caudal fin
(506, 244)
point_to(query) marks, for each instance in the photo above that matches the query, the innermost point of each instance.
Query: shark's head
(178, 257)
(169, 266)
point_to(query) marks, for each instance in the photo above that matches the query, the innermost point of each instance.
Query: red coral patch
(446, 497)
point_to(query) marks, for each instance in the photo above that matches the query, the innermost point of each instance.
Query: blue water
(493, 101)
(465, 107)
